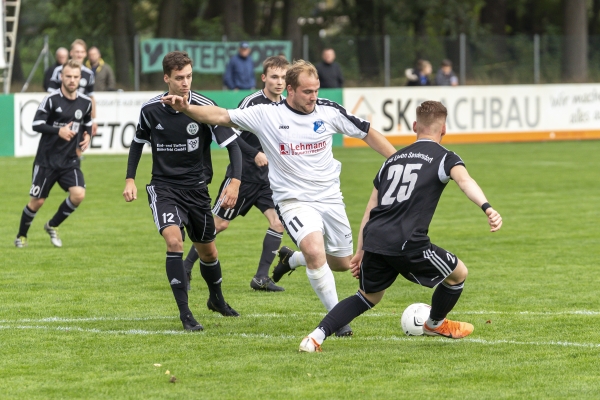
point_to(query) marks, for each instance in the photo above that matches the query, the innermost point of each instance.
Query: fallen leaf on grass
(489, 321)
(157, 365)
(167, 372)
(173, 379)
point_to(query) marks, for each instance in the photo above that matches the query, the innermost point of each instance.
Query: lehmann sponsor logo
(295, 149)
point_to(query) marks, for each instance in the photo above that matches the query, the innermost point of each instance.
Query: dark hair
(431, 111)
(275, 62)
(175, 60)
(446, 63)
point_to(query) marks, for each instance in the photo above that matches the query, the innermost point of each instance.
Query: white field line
(295, 315)
(143, 332)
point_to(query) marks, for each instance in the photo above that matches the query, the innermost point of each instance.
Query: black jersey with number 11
(410, 184)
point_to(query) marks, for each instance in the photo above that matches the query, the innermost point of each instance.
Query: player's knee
(76, 197)
(459, 274)
(174, 243)
(35, 204)
(276, 226)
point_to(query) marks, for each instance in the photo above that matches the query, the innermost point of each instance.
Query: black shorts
(251, 194)
(427, 267)
(43, 179)
(183, 207)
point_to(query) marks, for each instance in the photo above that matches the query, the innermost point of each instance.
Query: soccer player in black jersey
(393, 235)
(86, 83)
(254, 190)
(63, 118)
(178, 194)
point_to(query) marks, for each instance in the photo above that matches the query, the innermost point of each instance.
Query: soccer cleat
(265, 284)
(309, 345)
(190, 323)
(21, 241)
(344, 331)
(449, 329)
(53, 232)
(225, 310)
(283, 266)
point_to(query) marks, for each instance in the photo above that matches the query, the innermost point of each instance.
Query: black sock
(177, 279)
(211, 272)
(344, 312)
(191, 258)
(64, 210)
(26, 217)
(444, 299)
(271, 244)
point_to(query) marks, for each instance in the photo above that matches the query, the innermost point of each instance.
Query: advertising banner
(483, 113)
(209, 57)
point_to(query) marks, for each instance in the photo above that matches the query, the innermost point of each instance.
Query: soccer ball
(413, 319)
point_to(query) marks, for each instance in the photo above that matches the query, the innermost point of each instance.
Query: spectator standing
(105, 77)
(330, 72)
(239, 73)
(419, 76)
(445, 76)
(61, 56)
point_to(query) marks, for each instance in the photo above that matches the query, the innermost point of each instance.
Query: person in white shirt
(296, 136)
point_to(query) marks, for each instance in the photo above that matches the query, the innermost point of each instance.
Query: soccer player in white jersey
(296, 135)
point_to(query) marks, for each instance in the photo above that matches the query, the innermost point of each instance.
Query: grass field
(93, 318)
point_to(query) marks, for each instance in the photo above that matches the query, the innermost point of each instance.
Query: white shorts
(301, 218)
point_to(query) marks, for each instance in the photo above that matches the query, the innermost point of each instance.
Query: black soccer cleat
(283, 266)
(344, 331)
(190, 323)
(225, 310)
(265, 284)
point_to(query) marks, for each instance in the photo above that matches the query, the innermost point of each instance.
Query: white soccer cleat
(53, 232)
(309, 345)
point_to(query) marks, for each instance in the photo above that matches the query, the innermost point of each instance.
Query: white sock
(318, 335)
(434, 324)
(297, 260)
(323, 283)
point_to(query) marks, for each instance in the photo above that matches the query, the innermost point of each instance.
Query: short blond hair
(292, 76)
(430, 112)
(80, 42)
(72, 64)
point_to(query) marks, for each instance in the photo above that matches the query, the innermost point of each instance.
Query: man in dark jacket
(330, 72)
(239, 73)
(61, 56)
(419, 76)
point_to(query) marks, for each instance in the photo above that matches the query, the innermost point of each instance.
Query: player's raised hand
(494, 219)
(85, 143)
(229, 195)
(355, 263)
(261, 159)
(178, 103)
(66, 133)
(130, 192)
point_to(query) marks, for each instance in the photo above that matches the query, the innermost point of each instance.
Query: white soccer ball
(413, 319)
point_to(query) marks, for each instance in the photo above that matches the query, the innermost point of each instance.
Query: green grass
(91, 319)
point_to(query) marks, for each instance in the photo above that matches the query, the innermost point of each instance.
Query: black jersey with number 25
(179, 144)
(410, 184)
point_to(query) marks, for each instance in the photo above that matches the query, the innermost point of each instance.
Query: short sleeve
(143, 131)
(377, 180)
(449, 161)
(348, 124)
(249, 119)
(43, 111)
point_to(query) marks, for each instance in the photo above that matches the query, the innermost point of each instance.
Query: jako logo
(284, 127)
(319, 126)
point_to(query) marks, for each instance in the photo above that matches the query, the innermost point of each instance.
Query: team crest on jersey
(192, 128)
(319, 126)
(193, 144)
(83, 82)
(78, 114)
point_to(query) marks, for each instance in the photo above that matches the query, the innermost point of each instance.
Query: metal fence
(482, 60)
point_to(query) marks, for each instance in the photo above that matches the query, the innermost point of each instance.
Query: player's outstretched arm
(379, 143)
(357, 259)
(472, 190)
(211, 115)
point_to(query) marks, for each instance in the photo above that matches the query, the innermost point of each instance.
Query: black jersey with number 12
(410, 184)
(180, 145)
